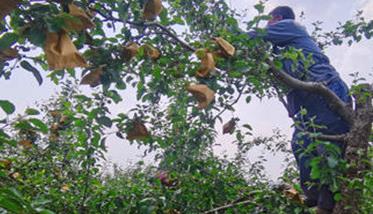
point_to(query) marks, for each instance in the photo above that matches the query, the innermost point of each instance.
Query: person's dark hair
(284, 11)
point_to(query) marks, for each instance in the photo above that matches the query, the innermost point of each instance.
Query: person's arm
(280, 33)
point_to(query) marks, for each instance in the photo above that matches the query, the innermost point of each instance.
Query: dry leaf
(27, 144)
(15, 175)
(219, 54)
(82, 22)
(54, 137)
(172, 211)
(8, 54)
(227, 49)
(61, 52)
(6, 164)
(152, 9)
(229, 127)
(91, 13)
(165, 179)
(151, 52)
(6, 7)
(54, 128)
(137, 131)
(65, 188)
(93, 78)
(207, 65)
(55, 113)
(203, 94)
(129, 51)
(64, 120)
(294, 195)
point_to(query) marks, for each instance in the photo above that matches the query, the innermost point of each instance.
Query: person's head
(281, 13)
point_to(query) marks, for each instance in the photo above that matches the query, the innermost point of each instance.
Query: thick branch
(335, 103)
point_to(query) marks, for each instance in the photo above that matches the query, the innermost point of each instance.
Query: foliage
(53, 154)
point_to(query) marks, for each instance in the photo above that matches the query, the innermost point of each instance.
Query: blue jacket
(288, 33)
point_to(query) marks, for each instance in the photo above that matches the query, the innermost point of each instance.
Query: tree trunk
(356, 153)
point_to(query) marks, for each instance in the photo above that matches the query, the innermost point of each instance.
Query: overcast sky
(265, 115)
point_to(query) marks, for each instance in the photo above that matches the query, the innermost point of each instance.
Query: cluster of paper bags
(61, 52)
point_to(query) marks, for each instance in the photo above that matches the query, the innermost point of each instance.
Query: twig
(234, 102)
(170, 34)
(230, 206)
(163, 28)
(148, 24)
(335, 138)
(281, 98)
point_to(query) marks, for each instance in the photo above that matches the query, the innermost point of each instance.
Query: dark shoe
(310, 203)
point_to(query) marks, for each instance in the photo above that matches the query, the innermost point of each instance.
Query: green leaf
(105, 121)
(332, 162)
(248, 127)
(278, 64)
(315, 169)
(119, 135)
(7, 106)
(10, 205)
(23, 124)
(235, 74)
(44, 211)
(3, 134)
(114, 95)
(140, 90)
(259, 7)
(31, 111)
(36, 36)
(26, 65)
(337, 197)
(11, 200)
(8, 40)
(39, 124)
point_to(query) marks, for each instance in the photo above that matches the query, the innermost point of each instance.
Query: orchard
(188, 62)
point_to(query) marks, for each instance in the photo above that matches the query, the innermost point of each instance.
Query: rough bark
(356, 152)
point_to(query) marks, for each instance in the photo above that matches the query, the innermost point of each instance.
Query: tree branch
(222, 208)
(335, 103)
(334, 138)
(234, 102)
(280, 97)
(170, 34)
(148, 24)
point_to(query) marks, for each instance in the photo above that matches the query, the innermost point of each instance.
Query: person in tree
(284, 33)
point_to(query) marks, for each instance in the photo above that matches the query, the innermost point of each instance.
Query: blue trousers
(318, 109)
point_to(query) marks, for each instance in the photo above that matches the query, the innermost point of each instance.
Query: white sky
(23, 90)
